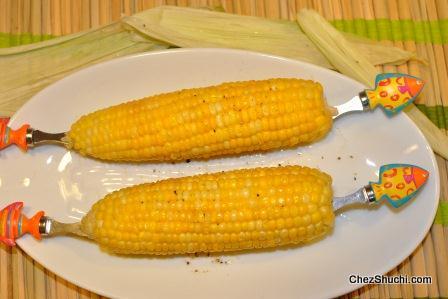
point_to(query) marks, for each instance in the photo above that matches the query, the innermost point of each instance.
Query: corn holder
(393, 92)
(227, 211)
(227, 119)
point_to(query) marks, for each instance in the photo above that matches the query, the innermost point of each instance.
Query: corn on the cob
(227, 119)
(228, 211)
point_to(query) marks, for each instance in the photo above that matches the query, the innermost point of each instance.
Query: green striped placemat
(442, 214)
(435, 32)
(11, 40)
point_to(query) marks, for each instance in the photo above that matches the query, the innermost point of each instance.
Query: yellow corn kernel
(206, 122)
(228, 211)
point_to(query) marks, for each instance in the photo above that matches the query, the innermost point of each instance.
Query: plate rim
(337, 291)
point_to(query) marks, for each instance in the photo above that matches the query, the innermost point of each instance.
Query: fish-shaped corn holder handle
(25, 137)
(393, 92)
(227, 211)
(398, 183)
(14, 224)
(9, 136)
(227, 119)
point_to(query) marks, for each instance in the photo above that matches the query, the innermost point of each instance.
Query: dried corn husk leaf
(195, 28)
(51, 60)
(338, 50)
(377, 53)
(352, 63)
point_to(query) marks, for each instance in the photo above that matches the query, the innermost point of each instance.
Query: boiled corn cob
(229, 211)
(200, 123)
(237, 210)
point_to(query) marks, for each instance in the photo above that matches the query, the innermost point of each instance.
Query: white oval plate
(65, 185)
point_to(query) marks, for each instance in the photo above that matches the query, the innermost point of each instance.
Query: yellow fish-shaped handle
(394, 91)
(399, 183)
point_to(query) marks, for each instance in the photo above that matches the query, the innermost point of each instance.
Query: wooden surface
(22, 21)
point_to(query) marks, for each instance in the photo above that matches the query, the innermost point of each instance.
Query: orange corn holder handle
(14, 224)
(9, 136)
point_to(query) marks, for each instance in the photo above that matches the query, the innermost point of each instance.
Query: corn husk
(32, 67)
(51, 60)
(196, 28)
(338, 50)
(379, 54)
(353, 63)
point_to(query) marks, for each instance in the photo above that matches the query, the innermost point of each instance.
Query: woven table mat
(419, 26)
